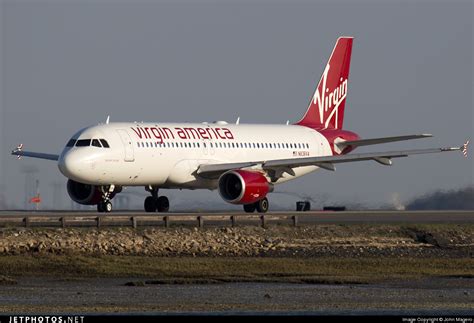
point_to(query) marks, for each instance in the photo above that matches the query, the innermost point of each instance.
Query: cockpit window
(96, 143)
(83, 143)
(71, 142)
(104, 142)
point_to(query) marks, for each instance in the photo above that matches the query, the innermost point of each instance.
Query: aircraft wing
(279, 166)
(19, 152)
(383, 140)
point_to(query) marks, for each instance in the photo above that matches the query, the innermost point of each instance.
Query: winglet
(18, 150)
(108, 119)
(464, 148)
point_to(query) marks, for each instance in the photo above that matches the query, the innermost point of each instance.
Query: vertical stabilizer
(326, 108)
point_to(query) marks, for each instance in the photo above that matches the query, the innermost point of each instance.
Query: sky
(69, 64)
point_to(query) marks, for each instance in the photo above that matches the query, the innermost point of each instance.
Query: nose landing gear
(154, 203)
(105, 205)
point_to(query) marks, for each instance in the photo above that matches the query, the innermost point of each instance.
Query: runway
(135, 219)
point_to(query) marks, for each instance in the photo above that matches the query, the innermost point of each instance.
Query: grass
(161, 270)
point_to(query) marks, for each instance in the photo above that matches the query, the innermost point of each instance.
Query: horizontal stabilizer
(383, 140)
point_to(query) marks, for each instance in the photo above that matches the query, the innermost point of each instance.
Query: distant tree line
(462, 199)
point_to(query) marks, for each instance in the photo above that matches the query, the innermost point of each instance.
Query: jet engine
(84, 193)
(243, 187)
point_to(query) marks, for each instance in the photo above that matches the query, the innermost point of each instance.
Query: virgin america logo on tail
(325, 100)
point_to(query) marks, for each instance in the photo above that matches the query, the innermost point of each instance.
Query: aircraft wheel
(107, 206)
(262, 205)
(150, 204)
(104, 206)
(163, 204)
(249, 208)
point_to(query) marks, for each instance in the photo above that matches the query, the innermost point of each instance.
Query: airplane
(243, 162)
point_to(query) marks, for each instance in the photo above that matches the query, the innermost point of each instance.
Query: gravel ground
(31, 295)
(70, 294)
(447, 241)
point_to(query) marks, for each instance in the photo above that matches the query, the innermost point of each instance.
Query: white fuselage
(167, 155)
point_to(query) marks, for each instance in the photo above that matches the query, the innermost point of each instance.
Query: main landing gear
(154, 203)
(105, 205)
(260, 206)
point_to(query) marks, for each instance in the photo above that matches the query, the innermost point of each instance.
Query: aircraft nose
(68, 165)
(73, 165)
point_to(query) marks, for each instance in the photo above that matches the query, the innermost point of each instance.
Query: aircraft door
(127, 144)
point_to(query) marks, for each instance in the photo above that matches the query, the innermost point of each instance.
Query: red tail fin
(326, 108)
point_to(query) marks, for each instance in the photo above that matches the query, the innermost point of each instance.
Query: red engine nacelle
(85, 194)
(243, 187)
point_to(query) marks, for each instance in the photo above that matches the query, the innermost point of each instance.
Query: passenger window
(83, 143)
(71, 143)
(96, 143)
